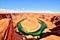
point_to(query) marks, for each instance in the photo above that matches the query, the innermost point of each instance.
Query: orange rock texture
(7, 29)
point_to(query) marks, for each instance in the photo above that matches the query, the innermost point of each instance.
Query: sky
(31, 5)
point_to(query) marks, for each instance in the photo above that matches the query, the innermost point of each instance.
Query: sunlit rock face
(30, 25)
(4, 22)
